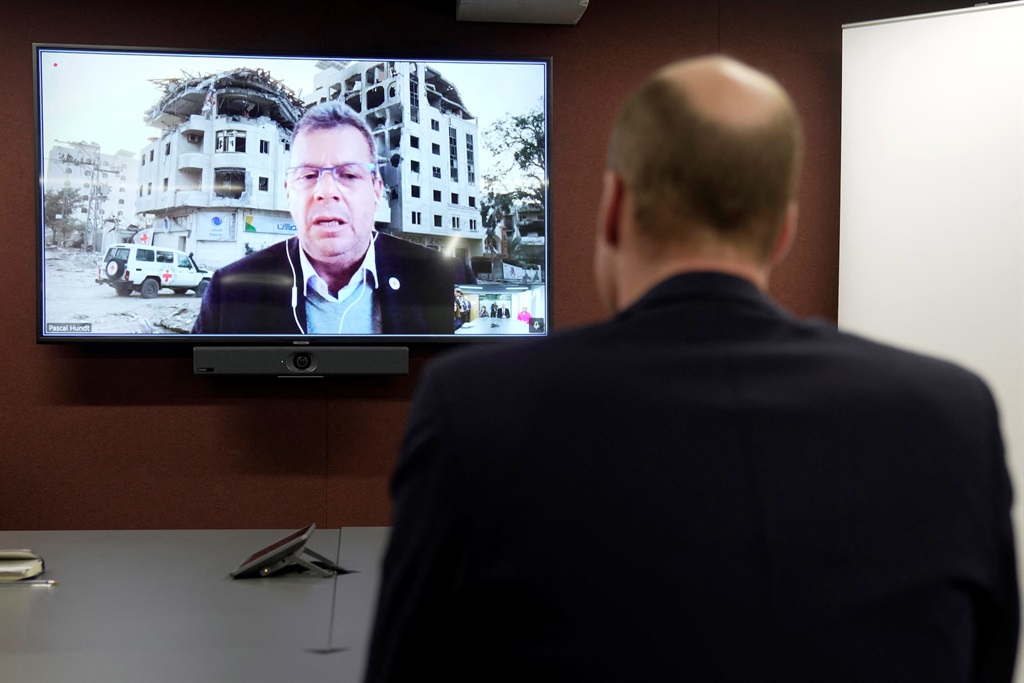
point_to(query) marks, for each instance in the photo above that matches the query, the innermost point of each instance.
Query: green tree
(65, 203)
(518, 143)
(518, 178)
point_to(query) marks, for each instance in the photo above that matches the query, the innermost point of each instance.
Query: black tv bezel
(283, 340)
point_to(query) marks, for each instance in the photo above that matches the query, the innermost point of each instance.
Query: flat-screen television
(260, 199)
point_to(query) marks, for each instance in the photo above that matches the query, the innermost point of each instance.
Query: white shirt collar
(311, 278)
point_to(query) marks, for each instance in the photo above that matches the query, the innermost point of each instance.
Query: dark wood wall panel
(120, 437)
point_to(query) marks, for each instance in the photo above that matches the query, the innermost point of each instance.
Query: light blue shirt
(355, 309)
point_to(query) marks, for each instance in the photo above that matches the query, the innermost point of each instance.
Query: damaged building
(106, 181)
(426, 141)
(213, 181)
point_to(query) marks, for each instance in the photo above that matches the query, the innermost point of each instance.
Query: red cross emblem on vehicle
(143, 238)
(167, 276)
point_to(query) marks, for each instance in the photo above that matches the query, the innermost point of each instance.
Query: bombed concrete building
(426, 142)
(213, 181)
(107, 184)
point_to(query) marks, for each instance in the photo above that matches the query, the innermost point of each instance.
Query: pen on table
(39, 584)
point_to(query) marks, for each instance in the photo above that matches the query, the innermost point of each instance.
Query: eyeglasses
(348, 175)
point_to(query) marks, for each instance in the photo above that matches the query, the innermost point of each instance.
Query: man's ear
(786, 235)
(609, 213)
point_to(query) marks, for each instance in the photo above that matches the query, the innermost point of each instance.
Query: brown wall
(129, 438)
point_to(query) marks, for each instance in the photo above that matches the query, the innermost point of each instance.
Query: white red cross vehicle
(144, 269)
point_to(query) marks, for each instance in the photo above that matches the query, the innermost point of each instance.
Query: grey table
(159, 606)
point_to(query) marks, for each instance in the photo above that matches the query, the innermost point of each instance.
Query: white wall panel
(932, 205)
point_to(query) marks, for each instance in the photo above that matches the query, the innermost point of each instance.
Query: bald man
(708, 489)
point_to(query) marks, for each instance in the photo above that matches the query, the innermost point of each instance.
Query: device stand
(323, 567)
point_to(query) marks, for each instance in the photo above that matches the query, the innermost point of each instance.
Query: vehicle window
(164, 257)
(183, 261)
(121, 253)
(144, 255)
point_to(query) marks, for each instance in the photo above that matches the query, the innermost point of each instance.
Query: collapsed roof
(248, 93)
(443, 95)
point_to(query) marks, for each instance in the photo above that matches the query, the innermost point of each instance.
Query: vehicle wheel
(123, 290)
(114, 268)
(201, 288)
(149, 289)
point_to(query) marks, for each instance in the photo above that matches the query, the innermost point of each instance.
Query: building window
(414, 96)
(472, 201)
(415, 190)
(472, 224)
(417, 218)
(435, 148)
(167, 149)
(437, 221)
(455, 198)
(230, 141)
(437, 195)
(228, 182)
(435, 124)
(151, 155)
(414, 166)
(470, 159)
(264, 146)
(453, 155)
(436, 172)
(120, 201)
(149, 188)
(264, 184)
(455, 223)
(414, 142)
(166, 184)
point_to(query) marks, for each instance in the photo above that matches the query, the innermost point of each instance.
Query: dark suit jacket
(702, 489)
(253, 295)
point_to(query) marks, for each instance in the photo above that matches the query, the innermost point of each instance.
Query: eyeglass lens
(347, 175)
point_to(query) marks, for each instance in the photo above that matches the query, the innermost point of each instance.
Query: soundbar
(306, 361)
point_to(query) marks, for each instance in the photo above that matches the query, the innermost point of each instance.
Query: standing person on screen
(338, 275)
(709, 489)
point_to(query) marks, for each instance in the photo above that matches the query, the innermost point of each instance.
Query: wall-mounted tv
(214, 198)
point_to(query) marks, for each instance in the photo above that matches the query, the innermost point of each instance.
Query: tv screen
(205, 197)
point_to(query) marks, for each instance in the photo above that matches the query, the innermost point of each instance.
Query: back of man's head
(709, 149)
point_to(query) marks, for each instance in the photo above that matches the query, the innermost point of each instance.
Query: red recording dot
(55, 63)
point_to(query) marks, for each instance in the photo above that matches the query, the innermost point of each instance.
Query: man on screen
(709, 489)
(339, 275)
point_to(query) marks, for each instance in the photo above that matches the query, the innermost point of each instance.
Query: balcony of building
(191, 160)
